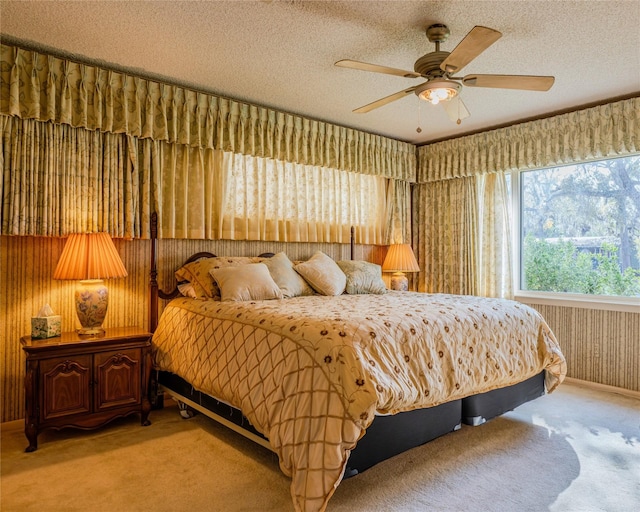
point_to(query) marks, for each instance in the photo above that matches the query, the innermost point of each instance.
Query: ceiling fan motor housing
(429, 64)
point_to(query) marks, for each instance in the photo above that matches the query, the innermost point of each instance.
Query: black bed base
(183, 391)
(387, 436)
(480, 408)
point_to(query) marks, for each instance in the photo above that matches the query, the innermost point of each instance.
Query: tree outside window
(580, 228)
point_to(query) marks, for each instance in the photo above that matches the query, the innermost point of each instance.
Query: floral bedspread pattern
(311, 372)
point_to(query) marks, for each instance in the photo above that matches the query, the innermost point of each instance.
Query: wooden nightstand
(85, 382)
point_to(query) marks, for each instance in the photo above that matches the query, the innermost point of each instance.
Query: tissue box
(45, 326)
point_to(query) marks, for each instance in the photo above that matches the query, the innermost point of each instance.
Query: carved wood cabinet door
(65, 384)
(118, 379)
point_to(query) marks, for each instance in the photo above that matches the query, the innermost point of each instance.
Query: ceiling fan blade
(474, 43)
(524, 82)
(374, 68)
(383, 101)
(456, 109)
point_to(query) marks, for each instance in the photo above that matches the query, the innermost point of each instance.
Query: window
(580, 228)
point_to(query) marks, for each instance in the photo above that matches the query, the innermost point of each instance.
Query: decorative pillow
(187, 290)
(363, 277)
(323, 274)
(290, 282)
(246, 282)
(198, 273)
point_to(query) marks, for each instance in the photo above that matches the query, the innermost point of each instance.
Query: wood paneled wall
(600, 346)
(27, 264)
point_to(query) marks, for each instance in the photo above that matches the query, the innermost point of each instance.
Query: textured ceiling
(281, 54)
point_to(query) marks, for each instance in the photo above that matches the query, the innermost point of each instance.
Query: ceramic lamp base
(399, 282)
(92, 299)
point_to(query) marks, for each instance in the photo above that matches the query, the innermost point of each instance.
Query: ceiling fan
(438, 67)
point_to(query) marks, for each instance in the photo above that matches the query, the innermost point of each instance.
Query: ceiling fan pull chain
(418, 129)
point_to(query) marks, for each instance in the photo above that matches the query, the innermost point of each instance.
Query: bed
(334, 384)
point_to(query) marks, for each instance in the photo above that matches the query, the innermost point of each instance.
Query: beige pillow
(188, 290)
(323, 274)
(363, 277)
(288, 280)
(198, 273)
(246, 282)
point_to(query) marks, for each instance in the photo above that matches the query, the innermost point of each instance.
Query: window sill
(574, 300)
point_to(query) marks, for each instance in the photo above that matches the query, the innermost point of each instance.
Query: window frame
(578, 300)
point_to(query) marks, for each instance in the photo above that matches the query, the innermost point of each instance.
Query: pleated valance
(604, 131)
(47, 88)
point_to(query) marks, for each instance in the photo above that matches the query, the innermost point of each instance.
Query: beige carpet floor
(576, 450)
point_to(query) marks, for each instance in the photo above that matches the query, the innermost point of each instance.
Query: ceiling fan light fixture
(436, 91)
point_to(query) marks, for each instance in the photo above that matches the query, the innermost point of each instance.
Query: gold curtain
(48, 88)
(398, 216)
(444, 237)
(58, 180)
(186, 187)
(485, 158)
(607, 130)
(178, 146)
(462, 235)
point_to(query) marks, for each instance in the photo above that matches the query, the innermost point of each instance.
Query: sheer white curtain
(214, 194)
(266, 199)
(494, 267)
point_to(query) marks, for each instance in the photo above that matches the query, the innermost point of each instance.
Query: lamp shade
(400, 258)
(89, 256)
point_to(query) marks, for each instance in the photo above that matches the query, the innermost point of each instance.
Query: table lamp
(400, 259)
(90, 258)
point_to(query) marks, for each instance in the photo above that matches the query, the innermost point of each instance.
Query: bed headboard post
(353, 241)
(153, 282)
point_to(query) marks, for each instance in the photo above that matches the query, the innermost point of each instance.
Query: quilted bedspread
(310, 373)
